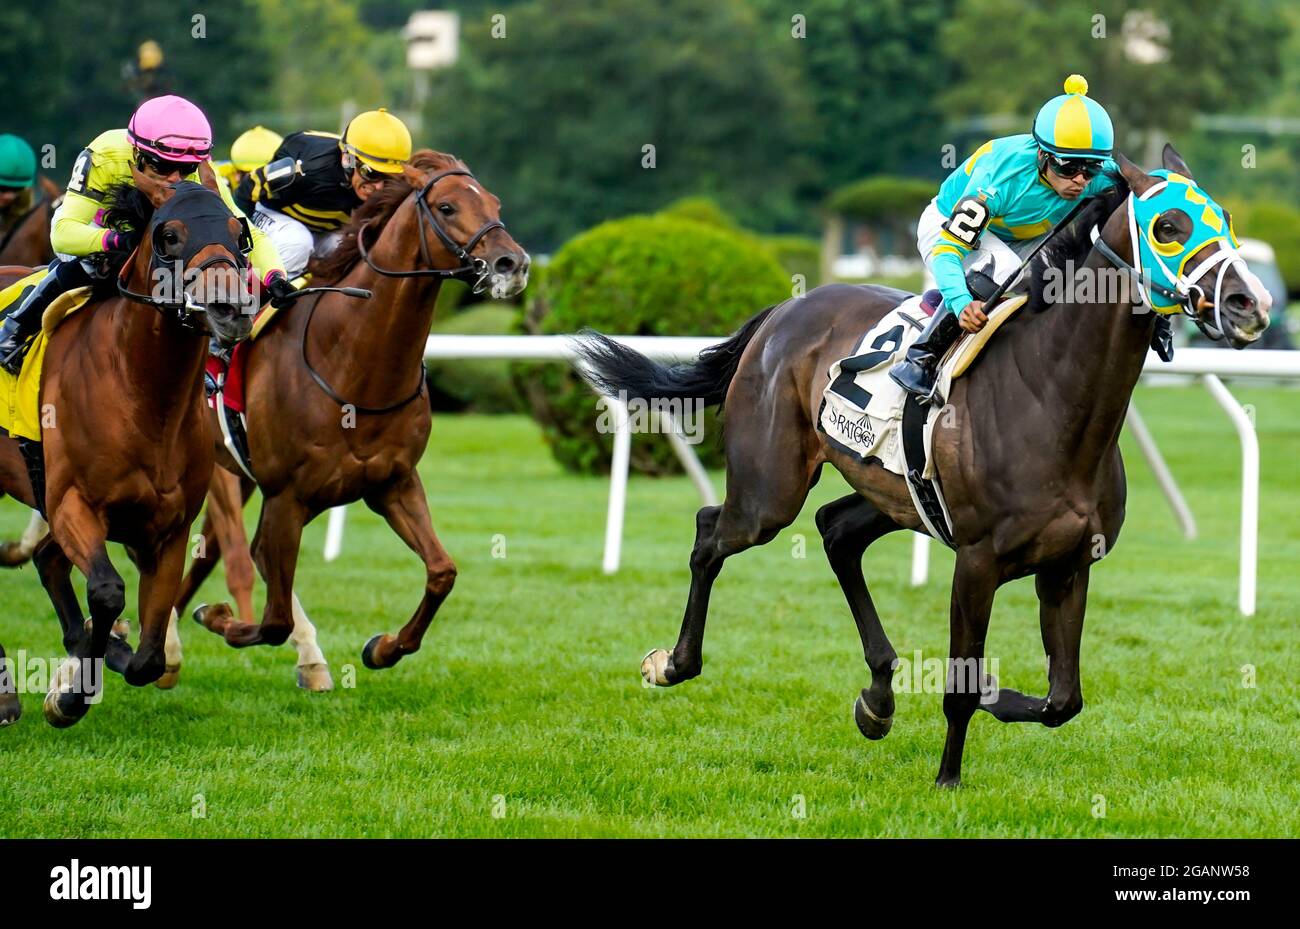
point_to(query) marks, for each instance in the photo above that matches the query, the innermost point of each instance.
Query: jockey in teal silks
(996, 207)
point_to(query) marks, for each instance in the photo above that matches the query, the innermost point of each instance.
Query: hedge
(643, 275)
(883, 197)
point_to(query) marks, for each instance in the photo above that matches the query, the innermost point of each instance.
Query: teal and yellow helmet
(17, 162)
(1074, 125)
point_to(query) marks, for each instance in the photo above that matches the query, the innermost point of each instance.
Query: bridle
(471, 269)
(1186, 293)
(180, 307)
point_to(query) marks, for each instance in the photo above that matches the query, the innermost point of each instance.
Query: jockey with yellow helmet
(167, 139)
(997, 207)
(250, 150)
(316, 179)
(17, 176)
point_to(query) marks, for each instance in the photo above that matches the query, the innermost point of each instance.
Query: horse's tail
(613, 368)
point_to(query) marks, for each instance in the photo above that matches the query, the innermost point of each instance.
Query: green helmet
(17, 162)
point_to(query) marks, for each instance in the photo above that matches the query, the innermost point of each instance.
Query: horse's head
(1183, 246)
(197, 269)
(465, 217)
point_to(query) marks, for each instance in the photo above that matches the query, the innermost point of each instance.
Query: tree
(64, 80)
(585, 112)
(1153, 68)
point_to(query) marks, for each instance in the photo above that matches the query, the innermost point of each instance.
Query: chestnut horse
(127, 454)
(1028, 460)
(335, 401)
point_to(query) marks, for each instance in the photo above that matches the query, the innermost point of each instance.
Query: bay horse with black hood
(127, 456)
(1029, 460)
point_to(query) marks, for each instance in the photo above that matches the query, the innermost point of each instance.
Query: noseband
(473, 270)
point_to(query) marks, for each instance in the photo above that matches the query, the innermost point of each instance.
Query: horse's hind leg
(13, 554)
(848, 526)
(1062, 598)
(766, 489)
(406, 508)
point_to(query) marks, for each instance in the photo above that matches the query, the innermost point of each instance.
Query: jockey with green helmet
(17, 176)
(167, 139)
(997, 207)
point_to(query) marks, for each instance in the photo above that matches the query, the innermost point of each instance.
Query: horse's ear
(158, 192)
(414, 176)
(49, 188)
(1174, 162)
(1138, 180)
(208, 177)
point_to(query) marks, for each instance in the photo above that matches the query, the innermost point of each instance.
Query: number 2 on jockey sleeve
(967, 222)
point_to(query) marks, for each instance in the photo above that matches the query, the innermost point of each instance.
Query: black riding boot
(917, 372)
(25, 319)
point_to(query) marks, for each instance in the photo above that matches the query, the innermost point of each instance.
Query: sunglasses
(146, 161)
(6, 189)
(1063, 167)
(369, 174)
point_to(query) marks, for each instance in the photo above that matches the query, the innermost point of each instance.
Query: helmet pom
(1076, 84)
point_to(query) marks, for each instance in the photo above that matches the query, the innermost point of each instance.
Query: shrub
(1279, 225)
(643, 275)
(883, 198)
(479, 386)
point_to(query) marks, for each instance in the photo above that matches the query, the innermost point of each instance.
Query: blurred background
(675, 166)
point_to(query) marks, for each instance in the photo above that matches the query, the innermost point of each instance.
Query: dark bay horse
(127, 452)
(1028, 460)
(27, 242)
(335, 397)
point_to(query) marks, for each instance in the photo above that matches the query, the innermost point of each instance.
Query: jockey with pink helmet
(167, 139)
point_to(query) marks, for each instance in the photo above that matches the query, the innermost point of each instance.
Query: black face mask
(206, 218)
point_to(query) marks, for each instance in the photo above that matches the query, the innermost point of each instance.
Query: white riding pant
(294, 241)
(1005, 256)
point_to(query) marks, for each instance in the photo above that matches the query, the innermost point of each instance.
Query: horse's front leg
(160, 579)
(275, 552)
(405, 507)
(1062, 599)
(974, 583)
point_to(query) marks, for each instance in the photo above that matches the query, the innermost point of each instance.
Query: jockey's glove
(281, 291)
(115, 241)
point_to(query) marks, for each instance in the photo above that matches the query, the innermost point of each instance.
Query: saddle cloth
(20, 396)
(862, 407)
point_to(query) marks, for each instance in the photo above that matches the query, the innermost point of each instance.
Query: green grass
(527, 688)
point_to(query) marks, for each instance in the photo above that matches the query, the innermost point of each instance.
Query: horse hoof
(12, 555)
(870, 725)
(947, 783)
(122, 629)
(171, 677)
(369, 654)
(316, 677)
(214, 617)
(654, 668)
(10, 709)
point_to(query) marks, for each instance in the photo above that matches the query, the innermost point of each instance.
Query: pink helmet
(172, 128)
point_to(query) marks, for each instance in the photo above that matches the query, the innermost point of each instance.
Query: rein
(184, 310)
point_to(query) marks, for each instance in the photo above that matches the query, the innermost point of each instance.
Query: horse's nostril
(504, 265)
(1242, 302)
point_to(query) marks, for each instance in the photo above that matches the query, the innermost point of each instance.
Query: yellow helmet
(379, 139)
(254, 148)
(149, 55)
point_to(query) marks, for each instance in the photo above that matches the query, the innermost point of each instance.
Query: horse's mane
(379, 208)
(129, 209)
(1073, 243)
